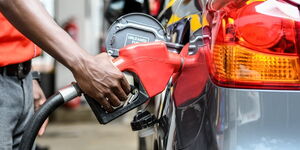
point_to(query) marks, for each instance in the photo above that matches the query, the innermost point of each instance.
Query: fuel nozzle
(151, 65)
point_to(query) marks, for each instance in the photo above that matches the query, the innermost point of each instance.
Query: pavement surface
(89, 136)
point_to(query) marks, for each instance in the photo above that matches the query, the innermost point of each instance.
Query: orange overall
(14, 47)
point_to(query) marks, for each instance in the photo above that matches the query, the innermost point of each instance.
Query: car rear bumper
(240, 119)
(249, 119)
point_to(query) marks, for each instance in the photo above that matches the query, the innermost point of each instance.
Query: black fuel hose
(37, 120)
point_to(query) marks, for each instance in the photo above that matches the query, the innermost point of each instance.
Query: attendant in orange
(96, 75)
(16, 100)
(14, 47)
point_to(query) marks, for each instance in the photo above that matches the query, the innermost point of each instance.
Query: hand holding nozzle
(152, 66)
(101, 80)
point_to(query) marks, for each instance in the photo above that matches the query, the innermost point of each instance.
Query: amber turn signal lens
(236, 63)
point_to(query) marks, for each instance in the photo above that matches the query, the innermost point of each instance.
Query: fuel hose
(31, 130)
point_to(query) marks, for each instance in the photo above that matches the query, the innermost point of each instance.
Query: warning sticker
(132, 39)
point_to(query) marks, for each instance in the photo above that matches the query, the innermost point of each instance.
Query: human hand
(100, 79)
(39, 100)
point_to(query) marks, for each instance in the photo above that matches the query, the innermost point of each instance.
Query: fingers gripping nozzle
(152, 65)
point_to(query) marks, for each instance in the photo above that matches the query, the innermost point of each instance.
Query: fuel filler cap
(133, 28)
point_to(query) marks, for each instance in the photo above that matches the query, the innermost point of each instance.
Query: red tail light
(251, 49)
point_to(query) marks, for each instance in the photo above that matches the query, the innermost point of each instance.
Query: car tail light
(255, 50)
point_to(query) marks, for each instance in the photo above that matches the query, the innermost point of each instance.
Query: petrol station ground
(81, 131)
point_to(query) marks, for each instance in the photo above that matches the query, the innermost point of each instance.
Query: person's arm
(96, 75)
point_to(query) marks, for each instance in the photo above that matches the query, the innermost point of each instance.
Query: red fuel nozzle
(153, 65)
(151, 62)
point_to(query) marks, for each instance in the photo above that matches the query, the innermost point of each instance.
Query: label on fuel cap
(131, 29)
(132, 39)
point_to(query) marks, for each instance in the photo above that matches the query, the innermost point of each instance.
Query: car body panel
(233, 119)
(198, 114)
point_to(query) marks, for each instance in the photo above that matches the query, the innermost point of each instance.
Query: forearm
(30, 18)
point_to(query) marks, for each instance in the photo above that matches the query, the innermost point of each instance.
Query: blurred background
(74, 126)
